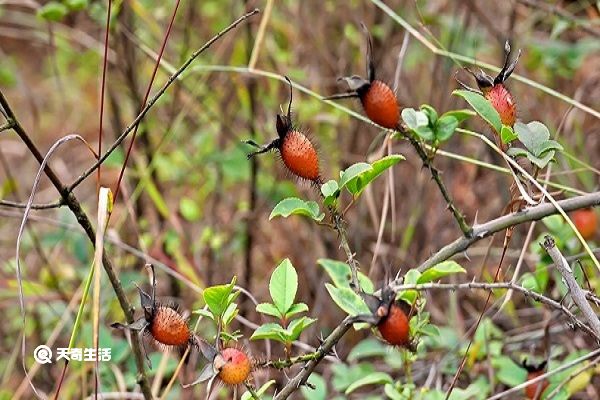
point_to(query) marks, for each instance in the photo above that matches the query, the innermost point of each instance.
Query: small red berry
(233, 366)
(377, 98)
(532, 389)
(297, 152)
(395, 327)
(494, 90)
(381, 105)
(503, 102)
(299, 155)
(586, 222)
(170, 328)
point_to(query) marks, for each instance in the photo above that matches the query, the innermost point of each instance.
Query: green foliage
(357, 177)
(428, 126)
(341, 275)
(296, 206)
(481, 107)
(374, 378)
(438, 271)
(507, 134)
(348, 300)
(539, 148)
(318, 389)
(260, 392)
(282, 288)
(220, 301)
(52, 11)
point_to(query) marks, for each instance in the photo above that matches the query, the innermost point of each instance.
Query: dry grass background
(186, 194)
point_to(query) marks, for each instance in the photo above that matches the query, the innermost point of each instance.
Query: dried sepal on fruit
(391, 317)
(377, 98)
(296, 150)
(164, 323)
(232, 366)
(535, 390)
(494, 90)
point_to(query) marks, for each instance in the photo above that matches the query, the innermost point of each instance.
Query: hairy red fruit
(381, 105)
(168, 327)
(395, 328)
(299, 155)
(233, 365)
(586, 222)
(532, 389)
(503, 102)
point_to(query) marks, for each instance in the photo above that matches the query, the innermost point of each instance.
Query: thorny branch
(577, 294)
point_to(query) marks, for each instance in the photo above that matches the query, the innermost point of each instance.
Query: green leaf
(507, 134)
(424, 132)
(340, 274)
(440, 270)
(410, 278)
(482, 107)
(296, 206)
(376, 378)
(320, 388)
(283, 286)
(297, 326)
(271, 331)
(352, 172)
(445, 127)
(189, 209)
(347, 300)
(517, 152)
(330, 191)
(268, 309)
(550, 145)
(260, 392)
(358, 183)
(77, 5)
(367, 348)
(296, 309)
(508, 372)
(218, 297)
(542, 161)
(230, 313)
(533, 135)
(460, 115)
(430, 112)
(53, 11)
(413, 119)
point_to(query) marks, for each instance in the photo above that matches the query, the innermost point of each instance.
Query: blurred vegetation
(192, 205)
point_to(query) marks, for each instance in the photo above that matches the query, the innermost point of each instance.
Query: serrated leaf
(460, 115)
(413, 118)
(268, 309)
(296, 206)
(357, 184)
(296, 309)
(340, 274)
(347, 300)
(270, 331)
(440, 270)
(283, 286)
(507, 134)
(375, 378)
(297, 326)
(445, 127)
(481, 107)
(218, 298)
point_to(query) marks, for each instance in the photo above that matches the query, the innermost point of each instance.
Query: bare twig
(577, 294)
(155, 98)
(484, 230)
